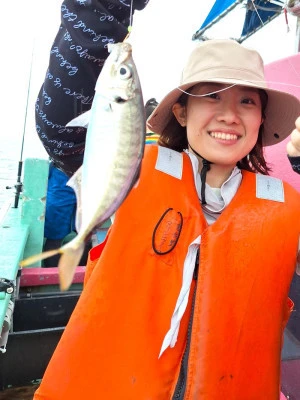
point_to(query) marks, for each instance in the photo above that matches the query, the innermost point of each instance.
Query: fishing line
(284, 84)
(27, 101)
(131, 14)
(130, 21)
(293, 68)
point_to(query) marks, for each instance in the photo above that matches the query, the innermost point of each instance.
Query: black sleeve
(76, 58)
(295, 163)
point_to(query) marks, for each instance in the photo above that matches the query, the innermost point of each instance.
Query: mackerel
(113, 153)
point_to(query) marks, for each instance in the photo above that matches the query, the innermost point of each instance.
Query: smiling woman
(190, 317)
(230, 100)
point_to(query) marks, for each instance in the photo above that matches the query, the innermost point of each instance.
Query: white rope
(206, 94)
(254, 6)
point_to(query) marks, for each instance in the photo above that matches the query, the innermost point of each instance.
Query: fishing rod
(19, 185)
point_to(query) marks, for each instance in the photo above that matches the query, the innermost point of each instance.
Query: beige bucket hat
(227, 61)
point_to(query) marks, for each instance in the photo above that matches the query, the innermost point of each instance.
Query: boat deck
(20, 393)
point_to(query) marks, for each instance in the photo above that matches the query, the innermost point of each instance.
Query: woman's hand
(293, 146)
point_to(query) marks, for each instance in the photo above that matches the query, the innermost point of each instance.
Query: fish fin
(38, 257)
(136, 183)
(136, 179)
(82, 120)
(75, 183)
(67, 264)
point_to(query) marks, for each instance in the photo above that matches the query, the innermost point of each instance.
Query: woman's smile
(224, 136)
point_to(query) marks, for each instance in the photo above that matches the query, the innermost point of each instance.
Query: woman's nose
(228, 113)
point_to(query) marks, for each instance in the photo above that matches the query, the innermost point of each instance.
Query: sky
(161, 39)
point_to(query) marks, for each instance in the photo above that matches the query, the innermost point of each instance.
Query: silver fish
(113, 153)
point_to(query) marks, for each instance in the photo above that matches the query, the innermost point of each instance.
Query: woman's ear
(180, 113)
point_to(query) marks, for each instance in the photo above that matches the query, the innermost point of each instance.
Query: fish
(113, 154)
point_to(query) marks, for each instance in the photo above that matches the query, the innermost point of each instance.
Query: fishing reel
(18, 186)
(7, 286)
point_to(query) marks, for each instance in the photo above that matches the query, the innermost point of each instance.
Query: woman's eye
(124, 72)
(212, 95)
(248, 100)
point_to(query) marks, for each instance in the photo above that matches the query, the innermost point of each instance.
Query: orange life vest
(230, 337)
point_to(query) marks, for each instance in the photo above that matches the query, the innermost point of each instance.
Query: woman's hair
(174, 136)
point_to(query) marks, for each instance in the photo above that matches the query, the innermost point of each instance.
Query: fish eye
(124, 72)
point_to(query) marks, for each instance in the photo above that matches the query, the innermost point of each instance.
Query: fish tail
(38, 257)
(68, 262)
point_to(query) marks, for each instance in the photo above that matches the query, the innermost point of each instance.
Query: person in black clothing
(76, 59)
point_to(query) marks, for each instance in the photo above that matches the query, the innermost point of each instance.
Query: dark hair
(150, 106)
(174, 136)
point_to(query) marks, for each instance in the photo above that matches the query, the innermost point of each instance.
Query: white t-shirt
(217, 199)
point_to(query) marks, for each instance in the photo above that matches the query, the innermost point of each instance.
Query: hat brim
(280, 115)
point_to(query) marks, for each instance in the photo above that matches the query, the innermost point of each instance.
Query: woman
(189, 298)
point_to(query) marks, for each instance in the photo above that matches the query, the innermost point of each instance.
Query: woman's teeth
(224, 136)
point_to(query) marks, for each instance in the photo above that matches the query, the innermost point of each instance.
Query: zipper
(182, 378)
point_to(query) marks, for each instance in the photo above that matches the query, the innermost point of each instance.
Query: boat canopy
(257, 14)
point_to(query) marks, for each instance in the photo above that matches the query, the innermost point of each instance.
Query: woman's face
(222, 126)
